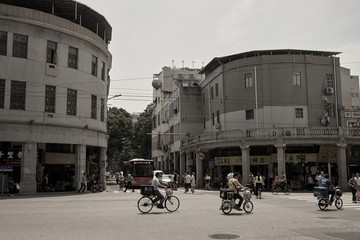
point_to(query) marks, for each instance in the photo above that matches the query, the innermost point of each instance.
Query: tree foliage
(127, 139)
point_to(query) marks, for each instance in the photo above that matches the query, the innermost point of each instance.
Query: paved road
(113, 214)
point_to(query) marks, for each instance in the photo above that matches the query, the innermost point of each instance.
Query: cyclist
(282, 180)
(156, 183)
(236, 186)
(259, 182)
(326, 183)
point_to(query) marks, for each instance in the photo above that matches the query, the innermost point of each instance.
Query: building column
(245, 158)
(199, 170)
(188, 158)
(102, 167)
(80, 164)
(341, 163)
(182, 166)
(176, 161)
(281, 158)
(28, 168)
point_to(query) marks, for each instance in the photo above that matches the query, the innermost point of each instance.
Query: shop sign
(201, 156)
(237, 160)
(295, 158)
(259, 160)
(10, 157)
(328, 153)
(6, 168)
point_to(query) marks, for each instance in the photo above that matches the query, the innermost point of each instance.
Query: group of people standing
(354, 185)
(190, 182)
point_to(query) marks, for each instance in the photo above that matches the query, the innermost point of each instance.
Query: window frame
(17, 95)
(71, 102)
(93, 107)
(103, 71)
(73, 57)
(299, 113)
(248, 78)
(297, 79)
(249, 114)
(3, 43)
(50, 98)
(20, 45)
(329, 79)
(2, 93)
(102, 110)
(94, 66)
(51, 52)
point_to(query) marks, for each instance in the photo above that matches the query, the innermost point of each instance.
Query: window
(217, 117)
(20, 46)
(94, 66)
(297, 79)
(249, 114)
(299, 113)
(17, 95)
(71, 102)
(103, 71)
(2, 93)
(93, 106)
(216, 90)
(3, 43)
(329, 80)
(50, 92)
(51, 52)
(212, 92)
(102, 116)
(331, 110)
(213, 118)
(73, 58)
(248, 81)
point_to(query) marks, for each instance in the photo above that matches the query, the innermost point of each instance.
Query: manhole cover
(327, 217)
(224, 236)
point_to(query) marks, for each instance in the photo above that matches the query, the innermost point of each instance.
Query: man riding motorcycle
(236, 187)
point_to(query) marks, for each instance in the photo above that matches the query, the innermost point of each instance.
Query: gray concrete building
(270, 111)
(54, 81)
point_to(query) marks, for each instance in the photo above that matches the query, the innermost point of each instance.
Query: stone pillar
(281, 158)
(199, 170)
(341, 163)
(176, 161)
(28, 168)
(245, 158)
(80, 164)
(102, 167)
(188, 159)
(182, 166)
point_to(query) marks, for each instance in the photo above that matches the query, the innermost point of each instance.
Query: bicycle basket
(338, 192)
(226, 193)
(169, 192)
(147, 190)
(247, 195)
(320, 192)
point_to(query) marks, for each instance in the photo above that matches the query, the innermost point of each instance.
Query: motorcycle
(228, 201)
(322, 194)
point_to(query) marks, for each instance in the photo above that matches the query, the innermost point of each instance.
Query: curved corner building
(54, 65)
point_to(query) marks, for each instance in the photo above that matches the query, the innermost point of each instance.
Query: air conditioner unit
(347, 114)
(218, 126)
(329, 90)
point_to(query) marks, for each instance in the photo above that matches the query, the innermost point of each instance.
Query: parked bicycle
(276, 188)
(228, 201)
(322, 194)
(148, 200)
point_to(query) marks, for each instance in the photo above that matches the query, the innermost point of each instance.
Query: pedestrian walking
(353, 187)
(207, 181)
(45, 183)
(175, 181)
(193, 182)
(83, 183)
(129, 180)
(121, 180)
(117, 177)
(187, 180)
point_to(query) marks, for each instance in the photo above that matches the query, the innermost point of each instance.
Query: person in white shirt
(193, 182)
(228, 177)
(187, 182)
(156, 184)
(357, 180)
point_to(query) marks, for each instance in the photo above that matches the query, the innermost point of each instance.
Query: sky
(150, 34)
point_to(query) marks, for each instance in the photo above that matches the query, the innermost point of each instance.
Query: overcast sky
(148, 34)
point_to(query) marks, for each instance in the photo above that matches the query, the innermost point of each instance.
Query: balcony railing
(272, 133)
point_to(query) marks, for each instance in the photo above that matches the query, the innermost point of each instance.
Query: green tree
(120, 131)
(142, 139)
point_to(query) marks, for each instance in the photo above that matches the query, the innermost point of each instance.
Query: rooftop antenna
(173, 66)
(193, 63)
(203, 64)
(183, 63)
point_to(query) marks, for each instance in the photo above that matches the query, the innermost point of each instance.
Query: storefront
(10, 166)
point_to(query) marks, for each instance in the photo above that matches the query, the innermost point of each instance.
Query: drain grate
(224, 236)
(328, 217)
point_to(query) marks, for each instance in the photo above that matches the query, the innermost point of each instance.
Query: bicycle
(228, 202)
(148, 200)
(285, 188)
(322, 194)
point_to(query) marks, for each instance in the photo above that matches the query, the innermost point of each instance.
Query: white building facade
(54, 66)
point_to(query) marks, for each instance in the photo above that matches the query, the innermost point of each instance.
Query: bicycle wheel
(275, 190)
(338, 203)
(226, 207)
(145, 204)
(248, 206)
(322, 204)
(287, 189)
(172, 203)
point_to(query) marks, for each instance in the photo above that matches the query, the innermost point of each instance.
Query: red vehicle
(141, 170)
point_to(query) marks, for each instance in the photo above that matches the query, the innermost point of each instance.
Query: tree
(142, 138)
(120, 132)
